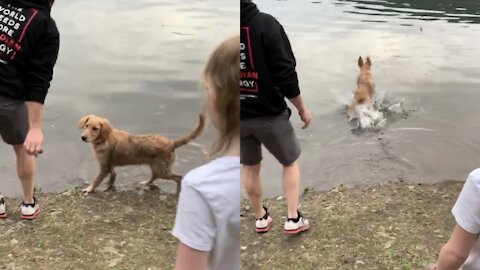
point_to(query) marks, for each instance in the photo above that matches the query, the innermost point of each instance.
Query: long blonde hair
(222, 74)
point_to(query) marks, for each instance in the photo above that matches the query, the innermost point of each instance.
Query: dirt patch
(119, 230)
(390, 226)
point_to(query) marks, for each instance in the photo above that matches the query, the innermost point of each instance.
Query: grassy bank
(390, 226)
(120, 230)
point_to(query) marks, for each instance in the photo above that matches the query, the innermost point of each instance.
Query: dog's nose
(84, 138)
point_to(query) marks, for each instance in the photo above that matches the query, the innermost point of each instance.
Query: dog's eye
(95, 129)
(86, 126)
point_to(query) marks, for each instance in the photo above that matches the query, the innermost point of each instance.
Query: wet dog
(365, 90)
(362, 105)
(115, 148)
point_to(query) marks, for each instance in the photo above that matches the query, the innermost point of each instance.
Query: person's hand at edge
(302, 111)
(34, 141)
(306, 118)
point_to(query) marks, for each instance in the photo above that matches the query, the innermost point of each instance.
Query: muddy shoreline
(387, 226)
(114, 230)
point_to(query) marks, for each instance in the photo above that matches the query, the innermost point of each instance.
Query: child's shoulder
(193, 176)
(475, 176)
(473, 180)
(212, 171)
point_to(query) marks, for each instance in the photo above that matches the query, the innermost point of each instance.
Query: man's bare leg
(291, 188)
(26, 172)
(253, 187)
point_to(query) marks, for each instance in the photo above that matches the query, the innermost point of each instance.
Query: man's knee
(22, 154)
(290, 165)
(251, 179)
(251, 169)
(25, 162)
(19, 149)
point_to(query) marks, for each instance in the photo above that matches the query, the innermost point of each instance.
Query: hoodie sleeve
(40, 66)
(281, 61)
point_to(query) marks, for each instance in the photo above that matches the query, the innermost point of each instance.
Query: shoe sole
(264, 230)
(297, 231)
(31, 217)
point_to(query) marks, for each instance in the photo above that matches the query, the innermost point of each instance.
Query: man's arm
(40, 67)
(282, 66)
(33, 142)
(281, 61)
(39, 75)
(302, 111)
(35, 110)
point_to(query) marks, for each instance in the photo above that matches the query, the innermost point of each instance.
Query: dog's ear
(83, 121)
(360, 62)
(105, 130)
(369, 62)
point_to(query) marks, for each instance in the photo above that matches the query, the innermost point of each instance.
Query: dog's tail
(194, 134)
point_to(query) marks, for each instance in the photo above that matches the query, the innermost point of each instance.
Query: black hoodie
(29, 42)
(267, 65)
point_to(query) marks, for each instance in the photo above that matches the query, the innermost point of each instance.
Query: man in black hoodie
(267, 77)
(29, 43)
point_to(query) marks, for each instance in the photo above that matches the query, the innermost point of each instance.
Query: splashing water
(374, 118)
(369, 118)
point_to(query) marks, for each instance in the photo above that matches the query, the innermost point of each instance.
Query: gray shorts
(13, 121)
(275, 133)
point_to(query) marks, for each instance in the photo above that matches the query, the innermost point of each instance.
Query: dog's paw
(87, 190)
(153, 187)
(146, 183)
(110, 189)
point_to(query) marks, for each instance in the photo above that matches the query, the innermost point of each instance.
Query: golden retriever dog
(363, 95)
(115, 148)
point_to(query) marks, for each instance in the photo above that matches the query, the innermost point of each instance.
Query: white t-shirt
(208, 212)
(467, 215)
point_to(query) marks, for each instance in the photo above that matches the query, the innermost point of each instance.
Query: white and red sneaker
(296, 225)
(30, 210)
(3, 212)
(262, 225)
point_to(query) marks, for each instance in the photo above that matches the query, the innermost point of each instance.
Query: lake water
(424, 53)
(137, 63)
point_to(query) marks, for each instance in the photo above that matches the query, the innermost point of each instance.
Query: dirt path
(121, 230)
(390, 226)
